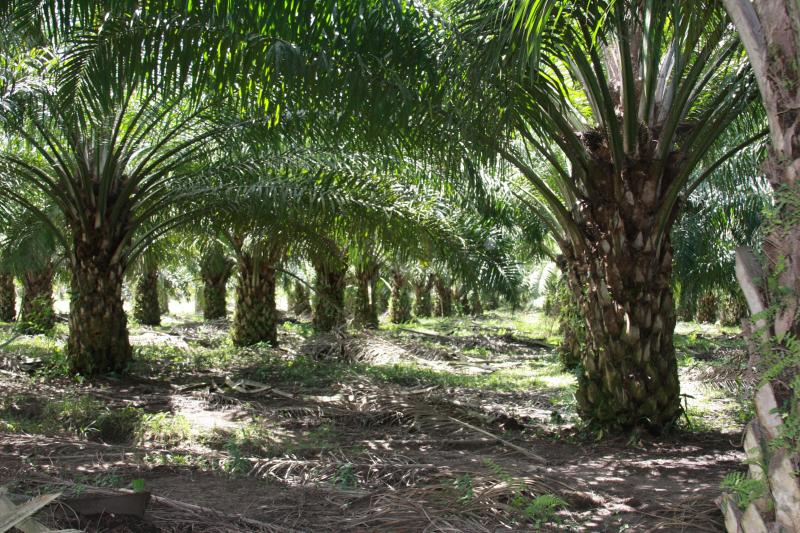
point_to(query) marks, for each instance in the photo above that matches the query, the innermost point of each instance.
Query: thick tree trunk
(98, 334)
(475, 305)
(8, 298)
(770, 32)
(214, 296)
(299, 299)
(707, 308)
(146, 305)
(687, 306)
(461, 296)
(621, 280)
(733, 309)
(215, 270)
(399, 301)
(36, 310)
(423, 306)
(163, 296)
(366, 305)
(444, 298)
(256, 317)
(328, 313)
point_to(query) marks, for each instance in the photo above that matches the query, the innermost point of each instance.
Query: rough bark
(707, 308)
(572, 330)
(214, 302)
(8, 298)
(733, 309)
(299, 299)
(328, 312)
(36, 309)
(400, 300)
(98, 333)
(215, 270)
(256, 317)
(619, 274)
(461, 297)
(366, 305)
(770, 32)
(164, 293)
(687, 306)
(146, 305)
(475, 304)
(423, 306)
(444, 298)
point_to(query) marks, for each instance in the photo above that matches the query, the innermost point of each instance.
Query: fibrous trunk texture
(770, 32)
(423, 306)
(98, 333)
(215, 270)
(299, 299)
(214, 292)
(400, 300)
(707, 308)
(366, 304)
(444, 298)
(256, 317)
(687, 307)
(572, 329)
(329, 287)
(620, 277)
(733, 309)
(146, 305)
(8, 298)
(163, 296)
(36, 310)
(475, 305)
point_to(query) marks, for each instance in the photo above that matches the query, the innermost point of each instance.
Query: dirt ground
(437, 446)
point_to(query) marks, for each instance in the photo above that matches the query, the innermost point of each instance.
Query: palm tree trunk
(299, 301)
(770, 32)
(98, 333)
(423, 307)
(8, 298)
(329, 302)
(444, 301)
(630, 375)
(461, 296)
(146, 305)
(256, 316)
(36, 311)
(366, 308)
(707, 308)
(214, 292)
(399, 301)
(215, 270)
(475, 305)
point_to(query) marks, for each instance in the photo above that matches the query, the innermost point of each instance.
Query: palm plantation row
(467, 137)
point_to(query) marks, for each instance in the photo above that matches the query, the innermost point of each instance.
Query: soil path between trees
(396, 448)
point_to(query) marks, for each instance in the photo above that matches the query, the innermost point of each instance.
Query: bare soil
(365, 454)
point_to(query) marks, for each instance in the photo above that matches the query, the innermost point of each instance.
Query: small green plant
(235, 464)
(744, 488)
(164, 428)
(345, 477)
(542, 508)
(464, 488)
(537, 509)
(137, 485)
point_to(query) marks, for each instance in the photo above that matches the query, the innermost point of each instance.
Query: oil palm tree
(609, 110)
(29, 250)
(122, 102)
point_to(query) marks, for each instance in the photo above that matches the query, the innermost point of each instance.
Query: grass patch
(73, 414)
(539, 374)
